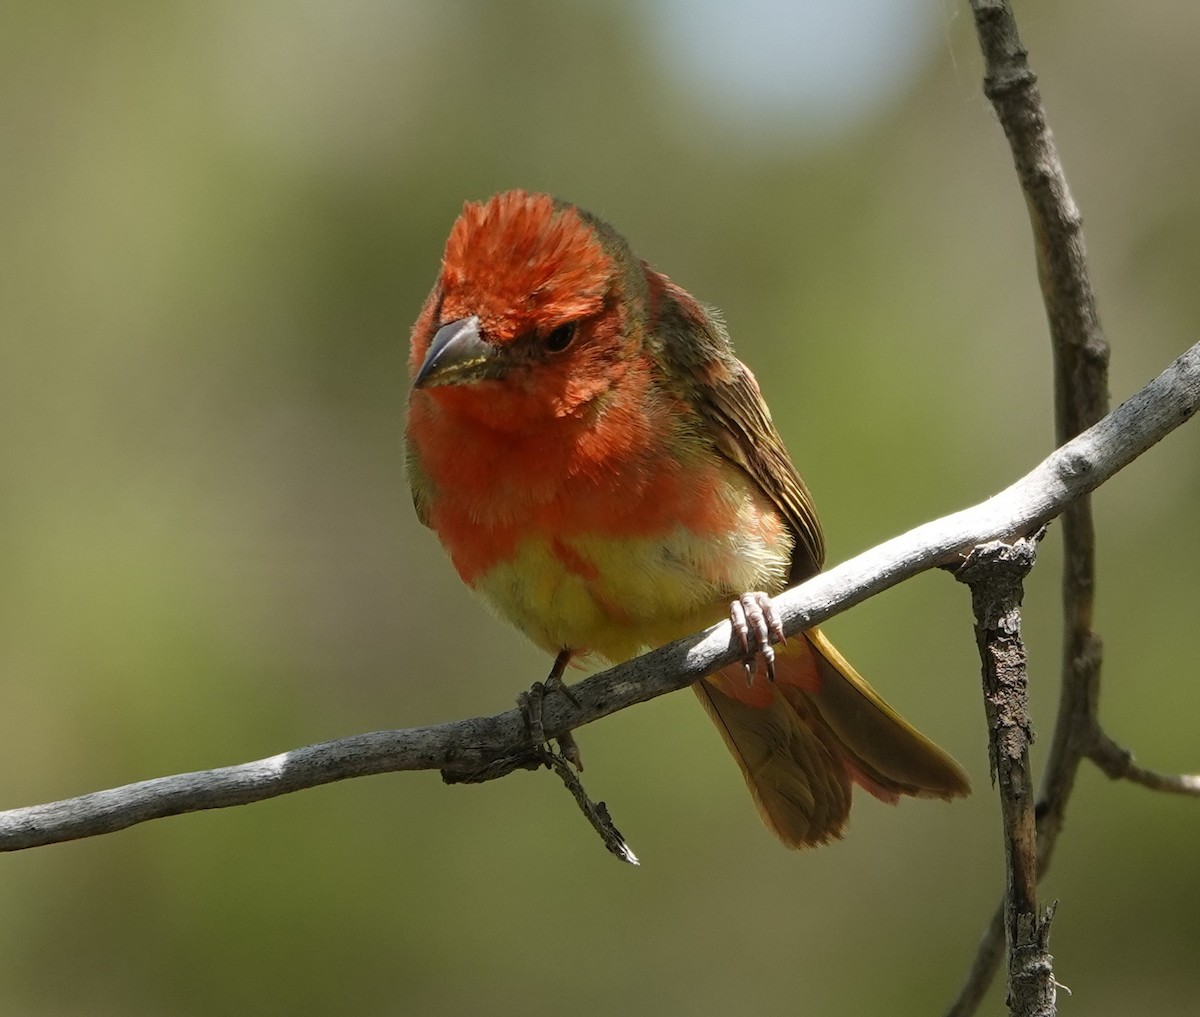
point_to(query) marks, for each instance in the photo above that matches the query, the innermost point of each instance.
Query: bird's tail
(802, 741)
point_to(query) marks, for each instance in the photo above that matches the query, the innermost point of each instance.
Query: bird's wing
(726, 396)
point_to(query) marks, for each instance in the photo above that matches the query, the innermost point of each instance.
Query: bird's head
(538, 312)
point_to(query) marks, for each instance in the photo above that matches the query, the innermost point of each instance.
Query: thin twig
(596, 813)
(469, 745)
(1117, 763)
(535, 757)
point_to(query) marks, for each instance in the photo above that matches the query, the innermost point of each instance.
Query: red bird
(604, 471)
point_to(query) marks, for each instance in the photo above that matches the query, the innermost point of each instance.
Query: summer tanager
(603, 470)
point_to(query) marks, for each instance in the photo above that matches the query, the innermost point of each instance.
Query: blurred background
(219, 221)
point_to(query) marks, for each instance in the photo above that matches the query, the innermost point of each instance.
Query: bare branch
(470, 745)
(1118, 764)
(996, 574)
(534, 757)
(596, 813)
(1080, 396)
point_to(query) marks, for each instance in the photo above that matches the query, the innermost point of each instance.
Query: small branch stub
(534, 758)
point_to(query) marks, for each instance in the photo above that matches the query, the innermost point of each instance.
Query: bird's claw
(569, 748)
(530, 705)
(757, 624)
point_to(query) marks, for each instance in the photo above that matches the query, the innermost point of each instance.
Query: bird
(605, 472)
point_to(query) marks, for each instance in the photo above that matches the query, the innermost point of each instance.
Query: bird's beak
(457, 355)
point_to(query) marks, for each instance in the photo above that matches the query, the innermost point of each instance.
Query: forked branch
(1081, 398)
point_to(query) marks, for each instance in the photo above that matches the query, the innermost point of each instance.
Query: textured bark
(996, 574)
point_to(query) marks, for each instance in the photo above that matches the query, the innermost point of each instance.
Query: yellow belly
(617, 596)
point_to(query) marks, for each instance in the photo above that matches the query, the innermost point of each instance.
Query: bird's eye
(560, 338)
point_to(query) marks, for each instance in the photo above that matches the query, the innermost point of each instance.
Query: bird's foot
(530, 705)
(757, 624)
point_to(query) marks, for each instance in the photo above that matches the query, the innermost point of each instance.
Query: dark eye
(559, 339)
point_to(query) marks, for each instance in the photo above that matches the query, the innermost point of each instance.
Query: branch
(596, 813)
(996, 574)
(1118, 764)
(1080, 398)
(469, 745)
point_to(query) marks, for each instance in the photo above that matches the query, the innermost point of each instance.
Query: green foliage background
(218, 223)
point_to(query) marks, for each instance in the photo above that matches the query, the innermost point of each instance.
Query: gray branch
(471, 745)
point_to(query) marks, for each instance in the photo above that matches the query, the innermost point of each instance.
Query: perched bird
(603, 470)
